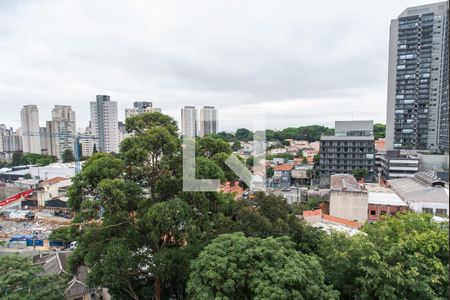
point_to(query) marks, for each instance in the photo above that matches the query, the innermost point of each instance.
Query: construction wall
(350, 205)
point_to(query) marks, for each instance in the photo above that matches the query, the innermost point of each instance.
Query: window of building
(427, 210)
(373, 212)
(441, 212)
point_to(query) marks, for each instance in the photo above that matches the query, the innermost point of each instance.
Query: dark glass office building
(416, 80)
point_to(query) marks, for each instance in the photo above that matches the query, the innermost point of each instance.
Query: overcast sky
(303, 62)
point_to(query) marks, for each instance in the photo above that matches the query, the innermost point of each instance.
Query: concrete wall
(431, 162)
(352, 206)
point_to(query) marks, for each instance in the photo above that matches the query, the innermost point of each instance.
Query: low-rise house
(301, 144)
(52, 188)
(282, 175)
(423, 193)
(277, 151)
(56, 263)
(309, 152)
(302, 173)
(278, 160)
(235, 189)
(292, 150)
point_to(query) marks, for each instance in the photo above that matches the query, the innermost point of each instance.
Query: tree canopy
(379, 130)
(360, 173)
(68, 156)
(236, 267)
(20, 158)
(310, 133)
(21, 279)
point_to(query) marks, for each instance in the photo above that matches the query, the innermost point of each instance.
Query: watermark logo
(255, 181)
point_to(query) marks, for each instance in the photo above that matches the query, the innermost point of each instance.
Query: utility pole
(34, 240)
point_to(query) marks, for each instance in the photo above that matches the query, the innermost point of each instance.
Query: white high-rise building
(208, 120)
(31, 140)
(189, 121)
(87, 141)
(10, 142)
(61, 131)
(104, 123)
(417, 84)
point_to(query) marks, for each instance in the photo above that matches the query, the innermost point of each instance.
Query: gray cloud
(304, 62)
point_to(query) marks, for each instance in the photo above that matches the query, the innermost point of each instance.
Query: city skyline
(205, 68)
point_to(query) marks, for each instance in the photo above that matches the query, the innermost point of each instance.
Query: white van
(73, 245)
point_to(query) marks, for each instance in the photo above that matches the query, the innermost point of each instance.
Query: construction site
(25, 227)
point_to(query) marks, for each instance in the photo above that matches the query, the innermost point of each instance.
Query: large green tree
(243, 134)
(360, 173)
(209, 146)
(133, 220)
(236, 267)
(98, 167)
(68, 156)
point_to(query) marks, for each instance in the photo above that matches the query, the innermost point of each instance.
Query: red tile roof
(283, 167)
(54, 180)
(341, 181)
(232, 189)
(310, 213)
(342, 221)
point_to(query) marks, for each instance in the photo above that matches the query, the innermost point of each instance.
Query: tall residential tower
(61, 131)
(416, 79)
(208, 120)
(31, 140)
(189, 121)
(104, 123)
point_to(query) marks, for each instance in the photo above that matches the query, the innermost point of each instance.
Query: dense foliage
(309, 133)
(236, 267)
(68, 156)
(20, 158)
(360, 173)
(21, 279)
(379, 130)
(405, 257)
